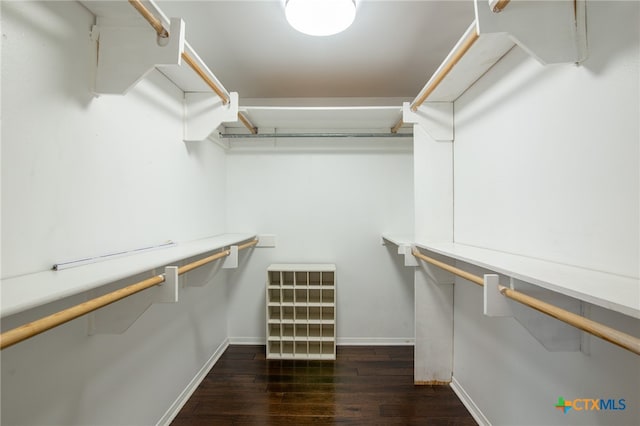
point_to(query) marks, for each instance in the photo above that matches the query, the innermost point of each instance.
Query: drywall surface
(326, 206)
(546, 164)
(84, 176)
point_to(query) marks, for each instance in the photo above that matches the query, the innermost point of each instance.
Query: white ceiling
(391, 50)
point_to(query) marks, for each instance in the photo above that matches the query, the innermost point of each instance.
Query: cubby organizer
(301, 311)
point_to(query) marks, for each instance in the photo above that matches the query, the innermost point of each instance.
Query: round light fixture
(320, 17)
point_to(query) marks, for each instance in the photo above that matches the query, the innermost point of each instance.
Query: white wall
(83, 176)
(326, 206)
(547, 165)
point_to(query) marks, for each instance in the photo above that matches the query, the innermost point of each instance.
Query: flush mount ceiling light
(320, 17)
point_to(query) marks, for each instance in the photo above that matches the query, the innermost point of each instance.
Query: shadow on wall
(55, 22)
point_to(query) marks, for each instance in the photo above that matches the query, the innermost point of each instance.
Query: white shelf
(32, 290)
(485, 52)
(398, 239)
(615, 292)
(301, 311)
(182, 75)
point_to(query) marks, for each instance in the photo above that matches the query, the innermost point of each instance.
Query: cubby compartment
(301, 311)
(314, 313)
(301, 348)
(302, 278)
(273, 295)
(328, 278)
(287, 314)
(274, 348)
(287, 278)
(314, 330)
(274, 330)
(302, 314)
(273, 313)
(302, 331)
(287, 295)
(287, 349)
(301, 295)
(328, 331)
(314, 296)
(328, 295)
(274, 278)
(287, 331)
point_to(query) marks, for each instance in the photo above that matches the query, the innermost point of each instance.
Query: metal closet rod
(164, 33)
(26, 331)
(314, 135)
(625, 341)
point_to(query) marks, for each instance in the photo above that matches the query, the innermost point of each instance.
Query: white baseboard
(375, 341)
(346, 341)
(184, 396)
(468, 402)
(247, 341)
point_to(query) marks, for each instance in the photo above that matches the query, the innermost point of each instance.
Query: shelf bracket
(550, 31)
(495, 304)
(231, 261)
(128, 51)
(118, 317)
(554, 335)
(204, 113)
(436, 118)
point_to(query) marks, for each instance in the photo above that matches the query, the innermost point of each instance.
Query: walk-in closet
(427, 214)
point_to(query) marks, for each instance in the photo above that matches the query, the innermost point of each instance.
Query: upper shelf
(615, 292)
(551, 32)
(307, 117)
(122, 14)
(32, 290)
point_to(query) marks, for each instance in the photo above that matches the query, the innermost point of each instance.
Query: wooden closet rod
(243, 118)
(500, 5)
(23, 332)
(151, 19)
(162, 32)
(625, 341)
(435, 81)
(194, 66)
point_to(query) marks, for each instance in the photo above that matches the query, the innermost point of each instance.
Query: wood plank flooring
(364, 386)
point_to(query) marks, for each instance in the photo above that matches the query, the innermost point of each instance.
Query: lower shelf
(301, 350)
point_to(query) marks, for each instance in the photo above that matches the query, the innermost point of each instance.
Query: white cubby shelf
(32, 290)
(301, 311)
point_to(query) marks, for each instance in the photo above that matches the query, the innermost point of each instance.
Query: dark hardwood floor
(364, 386)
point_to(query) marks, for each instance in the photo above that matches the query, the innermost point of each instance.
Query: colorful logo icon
(563, 405)
(590, 404)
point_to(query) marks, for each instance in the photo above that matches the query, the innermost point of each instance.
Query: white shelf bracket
(128, 51)
(204, 113)
(409, 258)
(550, 31)
(436, 118)
(495, 304)
(231, 261)
(167, 292)
(554, 335)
